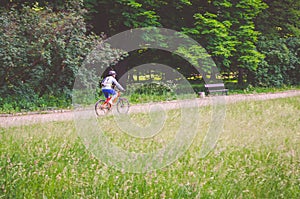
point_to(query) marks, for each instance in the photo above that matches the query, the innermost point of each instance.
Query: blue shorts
(108, 92)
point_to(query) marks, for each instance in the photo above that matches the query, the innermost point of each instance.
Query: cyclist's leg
(106, 93)
(114, 96)
(110, 92)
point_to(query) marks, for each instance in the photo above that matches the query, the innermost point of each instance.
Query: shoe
(109, 105)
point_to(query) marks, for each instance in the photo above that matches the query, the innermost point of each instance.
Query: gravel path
(64, 115)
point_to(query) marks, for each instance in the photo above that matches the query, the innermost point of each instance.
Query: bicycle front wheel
(123, 105)
(100, 107)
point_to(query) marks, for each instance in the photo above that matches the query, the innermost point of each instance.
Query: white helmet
(112, 72)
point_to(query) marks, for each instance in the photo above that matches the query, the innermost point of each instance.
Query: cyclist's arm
(118, 85)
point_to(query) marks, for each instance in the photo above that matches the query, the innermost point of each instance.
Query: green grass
(249, 89)
(257, 156)
(137, 98)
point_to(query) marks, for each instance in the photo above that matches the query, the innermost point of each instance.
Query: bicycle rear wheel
(123, 105)
(100, 107)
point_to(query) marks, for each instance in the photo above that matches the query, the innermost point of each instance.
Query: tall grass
(257, 156)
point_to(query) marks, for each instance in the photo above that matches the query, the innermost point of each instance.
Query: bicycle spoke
(100, 108)
(123, 105)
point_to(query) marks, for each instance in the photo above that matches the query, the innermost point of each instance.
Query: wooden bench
(216, 88)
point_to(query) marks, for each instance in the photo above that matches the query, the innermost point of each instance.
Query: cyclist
(108, 84)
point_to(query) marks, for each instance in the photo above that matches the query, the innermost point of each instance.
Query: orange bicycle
(102, 106)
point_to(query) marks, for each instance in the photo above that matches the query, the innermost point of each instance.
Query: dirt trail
(31, 118)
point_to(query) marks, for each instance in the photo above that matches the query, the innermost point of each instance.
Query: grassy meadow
(257, 156)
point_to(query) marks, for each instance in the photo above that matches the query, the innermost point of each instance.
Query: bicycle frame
(109, 98)
(122, 104)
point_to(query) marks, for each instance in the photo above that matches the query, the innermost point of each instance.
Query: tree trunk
(138, 76)
(240, 77)
(251, 78)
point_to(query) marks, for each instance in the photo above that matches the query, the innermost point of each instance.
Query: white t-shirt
(108, 82)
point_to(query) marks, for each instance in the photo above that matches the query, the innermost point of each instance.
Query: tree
(280, 19)
(241, 14)
(281, 65)
(225, 28)
(42, 50)
(279, 42)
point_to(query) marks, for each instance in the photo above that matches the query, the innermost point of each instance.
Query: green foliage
(42, 50)
(137, 14)
(150, 92)
(282, 64)
(15, 104)
(281, 19)
(279, 25)
(215, 33)
(228, 33)
(153, 89)
(242, 15)
(196, 55)
(227, 29)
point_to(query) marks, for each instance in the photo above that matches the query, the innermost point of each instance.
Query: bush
(41, 52)
(281, 65)
(154, 91)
